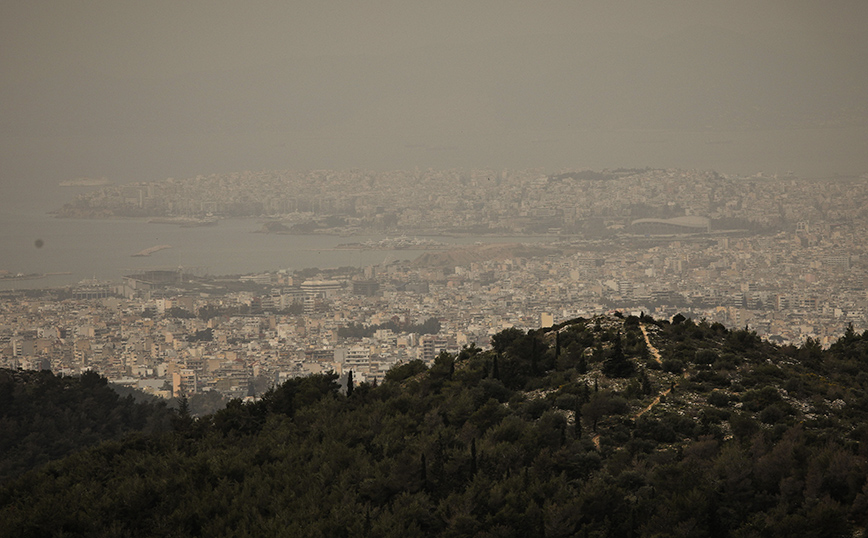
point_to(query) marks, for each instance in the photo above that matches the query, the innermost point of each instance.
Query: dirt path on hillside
(656, 354)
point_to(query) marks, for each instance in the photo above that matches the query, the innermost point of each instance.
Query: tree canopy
(748, 439)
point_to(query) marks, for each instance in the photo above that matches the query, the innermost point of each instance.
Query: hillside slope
(602, 427)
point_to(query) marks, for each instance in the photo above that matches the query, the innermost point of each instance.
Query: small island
(86, 182)
(184, 222)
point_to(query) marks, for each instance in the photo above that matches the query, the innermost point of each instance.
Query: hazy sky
(146, 90)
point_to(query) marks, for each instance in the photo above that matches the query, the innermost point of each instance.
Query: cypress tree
(578, 412)
(366, 528)
(646, 383)
(557, 345)
(583, 363)
(534, 370)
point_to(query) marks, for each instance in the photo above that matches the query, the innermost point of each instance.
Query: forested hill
(605, 427)
(44, 417)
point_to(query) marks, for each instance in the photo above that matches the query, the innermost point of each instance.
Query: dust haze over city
(563, 124)
(409, 97)
(145, 92)
(439, 224)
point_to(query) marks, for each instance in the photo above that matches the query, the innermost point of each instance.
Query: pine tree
(182, 421)
(617, 365)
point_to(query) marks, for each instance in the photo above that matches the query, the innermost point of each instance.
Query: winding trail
(656, 354)
(654, 351)
(654, 402)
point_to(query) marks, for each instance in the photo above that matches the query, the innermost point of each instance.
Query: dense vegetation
(45, 417)
(578, 430)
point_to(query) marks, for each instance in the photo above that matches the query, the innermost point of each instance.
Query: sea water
(67, 251)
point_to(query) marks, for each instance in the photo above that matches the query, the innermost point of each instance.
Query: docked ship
(150, 250)
(20, 276)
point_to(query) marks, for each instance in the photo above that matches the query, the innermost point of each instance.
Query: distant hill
(609, 426)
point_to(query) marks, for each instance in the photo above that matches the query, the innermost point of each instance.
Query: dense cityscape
(779, 255)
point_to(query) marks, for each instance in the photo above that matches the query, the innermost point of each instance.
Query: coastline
(75, 249)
